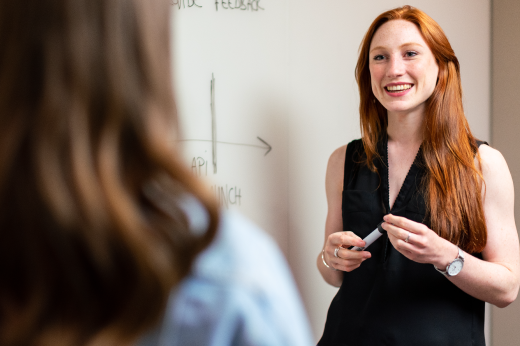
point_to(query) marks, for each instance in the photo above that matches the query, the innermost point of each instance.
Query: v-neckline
(400, 200)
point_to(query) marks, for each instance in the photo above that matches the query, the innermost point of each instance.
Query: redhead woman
(445, 200)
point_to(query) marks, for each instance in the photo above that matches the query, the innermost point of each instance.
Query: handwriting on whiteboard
(227, 196)
(185, 3)
(199, 167)
(243, 5)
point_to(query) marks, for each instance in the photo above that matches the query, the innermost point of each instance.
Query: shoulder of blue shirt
(240, 291)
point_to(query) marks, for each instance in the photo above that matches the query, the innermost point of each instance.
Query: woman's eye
(410, 54)
(379, 57)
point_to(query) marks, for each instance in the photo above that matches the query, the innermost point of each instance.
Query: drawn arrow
(268, 146)
(265, 146)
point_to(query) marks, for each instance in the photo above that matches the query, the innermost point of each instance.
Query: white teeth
(399, 87)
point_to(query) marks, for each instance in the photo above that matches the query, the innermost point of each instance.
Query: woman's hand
(417, 242)
(346, 260)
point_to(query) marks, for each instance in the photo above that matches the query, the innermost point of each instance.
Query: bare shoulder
(336, 166)
(337, 158)
(498, 186)
(493, 163)
(336, 162)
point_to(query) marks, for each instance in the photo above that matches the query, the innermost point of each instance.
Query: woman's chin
(402, 107)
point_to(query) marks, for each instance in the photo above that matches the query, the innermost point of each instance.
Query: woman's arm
(496, 279)
(334, 235)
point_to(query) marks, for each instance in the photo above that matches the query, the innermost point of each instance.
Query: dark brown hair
(92, 238)
(453, 183)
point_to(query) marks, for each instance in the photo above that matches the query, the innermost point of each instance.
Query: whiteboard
(281, 72)
(230, 79)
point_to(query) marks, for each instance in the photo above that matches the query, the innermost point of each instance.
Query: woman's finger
(347, 254)
(396, 231)
(404, 223)
(401, 244)
(345, 240)
(348, 265)
(349, 268)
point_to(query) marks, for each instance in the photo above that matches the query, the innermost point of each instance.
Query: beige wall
(505, 123)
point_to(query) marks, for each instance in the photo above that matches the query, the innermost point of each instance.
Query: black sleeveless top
(389, 299)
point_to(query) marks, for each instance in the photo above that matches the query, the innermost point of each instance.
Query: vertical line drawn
(213, 125)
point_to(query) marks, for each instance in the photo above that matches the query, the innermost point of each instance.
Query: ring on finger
(407, 238)
(336, 252)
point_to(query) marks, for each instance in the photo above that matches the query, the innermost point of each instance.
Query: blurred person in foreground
(105, 236)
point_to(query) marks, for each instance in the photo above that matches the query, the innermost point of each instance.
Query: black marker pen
(372, 237)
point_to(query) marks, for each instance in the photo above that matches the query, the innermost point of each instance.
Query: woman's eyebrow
(401, 46)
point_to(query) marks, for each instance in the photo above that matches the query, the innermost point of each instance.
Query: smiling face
(403, 70)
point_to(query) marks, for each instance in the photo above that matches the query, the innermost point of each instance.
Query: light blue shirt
(240, 292)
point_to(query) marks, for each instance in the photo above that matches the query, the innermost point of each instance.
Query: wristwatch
(455, 266)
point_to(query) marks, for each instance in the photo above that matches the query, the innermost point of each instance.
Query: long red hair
(453, 184)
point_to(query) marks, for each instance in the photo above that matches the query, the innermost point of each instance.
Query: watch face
(455, 267)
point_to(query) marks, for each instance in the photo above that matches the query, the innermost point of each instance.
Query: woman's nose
(395, 67)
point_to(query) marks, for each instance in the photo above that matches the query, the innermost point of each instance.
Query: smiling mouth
(398, 88)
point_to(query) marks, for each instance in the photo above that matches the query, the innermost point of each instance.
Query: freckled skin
(399, 54)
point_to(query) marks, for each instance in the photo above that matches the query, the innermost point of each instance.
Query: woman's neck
(406, 128)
